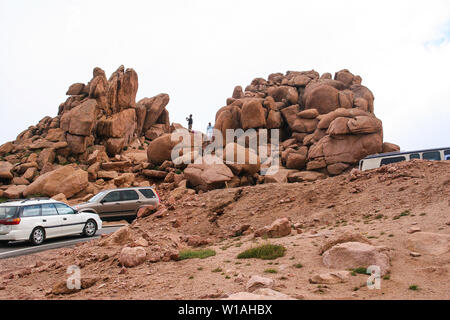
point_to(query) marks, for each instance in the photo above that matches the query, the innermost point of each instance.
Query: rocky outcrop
(98, 121)
(329, 123)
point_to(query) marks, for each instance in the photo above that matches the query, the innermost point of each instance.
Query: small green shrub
(298, 265)
(265, 252)
(414, 287)
(270, 271)
(217, 270)
(178, 171)
(360, 270)
(196, 254)
(3, 200)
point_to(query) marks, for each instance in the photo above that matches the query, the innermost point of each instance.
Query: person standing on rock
(209, 132)
(190, 121)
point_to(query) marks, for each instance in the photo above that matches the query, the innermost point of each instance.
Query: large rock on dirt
(208, 175)
(132, 257)
(61, 287)
(122, 236)
(5, 170)
(352, 255)
(80, 120)
(66, 179)
(428, 243)
(347, 236)
(258, 282)
(279, 228)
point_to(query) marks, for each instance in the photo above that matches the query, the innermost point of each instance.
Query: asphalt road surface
(20, 248)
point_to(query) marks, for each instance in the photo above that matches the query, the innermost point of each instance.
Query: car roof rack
(35, 199)
(13, 200)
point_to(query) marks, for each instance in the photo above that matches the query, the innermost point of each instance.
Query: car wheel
(37, 236)
(90, 228)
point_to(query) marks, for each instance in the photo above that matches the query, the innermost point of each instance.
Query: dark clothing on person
(190, 121)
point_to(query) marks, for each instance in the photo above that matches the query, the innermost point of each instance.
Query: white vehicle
(378, 160)
(39, 219)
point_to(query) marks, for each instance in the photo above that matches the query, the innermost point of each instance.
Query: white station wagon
(39, 219)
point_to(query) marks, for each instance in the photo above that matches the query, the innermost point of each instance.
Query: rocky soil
(396, 217)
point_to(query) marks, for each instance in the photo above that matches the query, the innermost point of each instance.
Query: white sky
(197, 51)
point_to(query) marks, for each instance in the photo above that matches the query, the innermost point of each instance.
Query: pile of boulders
(325, 124)
(97, 140)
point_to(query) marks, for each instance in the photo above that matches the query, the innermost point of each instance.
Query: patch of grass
(3, 200)
(387, 277)
(414, 287)
(196, 254)
(403, 214)
(200, 268)
(360, 270)
(178, 171)
(227, 277)
(379, 216)
(298, 265)
(217, 270)
(265, 252)
(270, 271)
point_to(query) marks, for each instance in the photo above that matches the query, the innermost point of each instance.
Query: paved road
(20, 248)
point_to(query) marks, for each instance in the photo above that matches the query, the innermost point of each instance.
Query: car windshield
(7, 212)
(97, 197)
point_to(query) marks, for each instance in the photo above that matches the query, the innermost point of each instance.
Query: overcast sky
(197, 51)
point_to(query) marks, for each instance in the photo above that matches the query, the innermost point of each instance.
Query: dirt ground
(382, 205)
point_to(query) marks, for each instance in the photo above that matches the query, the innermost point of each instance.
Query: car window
(7, 212)
(414, 156)
(148, 193)
(97, 197)
(432, 155)
(392, 160)
(64, 209)
(31, 211)
(112, 197)
(49, 210)
(129, 195)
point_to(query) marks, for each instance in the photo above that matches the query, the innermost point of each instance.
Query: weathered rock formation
(326, 124)
(98, 120)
